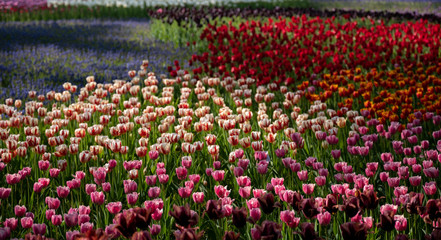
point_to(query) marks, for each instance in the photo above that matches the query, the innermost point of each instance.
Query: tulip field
(221, 123)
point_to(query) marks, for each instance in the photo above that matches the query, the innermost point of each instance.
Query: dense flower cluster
(22, 5)
(134, 148)
(201, 15)
(322, 128)
(390, 70)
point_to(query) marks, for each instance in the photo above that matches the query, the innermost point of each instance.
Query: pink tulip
(73, 184)
(308, 188)
(384, 176)
(431, 172)
(27, 222)
(243, 163)
(262, 167)
(289, 218)
(154, 192)
(163, 178)
(132, 198)
(54, 172)
(388, 207)
(184, 192)
(114, 207)
(62, 192)
(82, 218)
(56, 220)
(44, 181)
(430, 188)
(11, 223)
(37, 187)
(155, 229)
(415, 180)
(150, 180)
(106, 186)
(85, 227)
(19, 211)
(71, 219)
(52, 203)
(221, 191)
(90, 188)
(218, 175)
(416, 168)
(71, 235)
(12, 179)
(43, 165)
(303, 175)
(198, 197)
(39, 229)
(320, 180)
(186, 162)
(4, 192)
(245, 192)
(255, 214)
(153, 155)
(400, 223)
(324, 218)
(195, 178)
(97, 197)
(181, 173)
(129, 186)
(157, 214)
(252, 203)
(49, 214)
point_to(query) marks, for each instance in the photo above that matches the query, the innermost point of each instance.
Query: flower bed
(311, 128)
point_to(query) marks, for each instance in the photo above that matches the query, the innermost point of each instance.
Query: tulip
(97, 197)
(184, 216)
(308, 188)
(90, 188)
(39, 229)
(56, 220)
(255, 214)
(155, 229)
(114, 207)
(400, 223)
(62, 192)
(163, 178)
(132, 198)
(181, 172)
(85, 227)
(154, 192)
(129, 186)
(324, 218)
(26, 222)
(19, 211)
(106, 186)
(71, 235)
(184, 192)
(11, 223)
(303, 175)
(150, 180)
(245, 192)
(320, 180)
(289, 218)
(430, 188)
(218, 175)
(71, 219)
(52, 203)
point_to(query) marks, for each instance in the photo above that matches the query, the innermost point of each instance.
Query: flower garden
(267, 122)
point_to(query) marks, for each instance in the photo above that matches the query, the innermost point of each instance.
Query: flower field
(229, 123)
